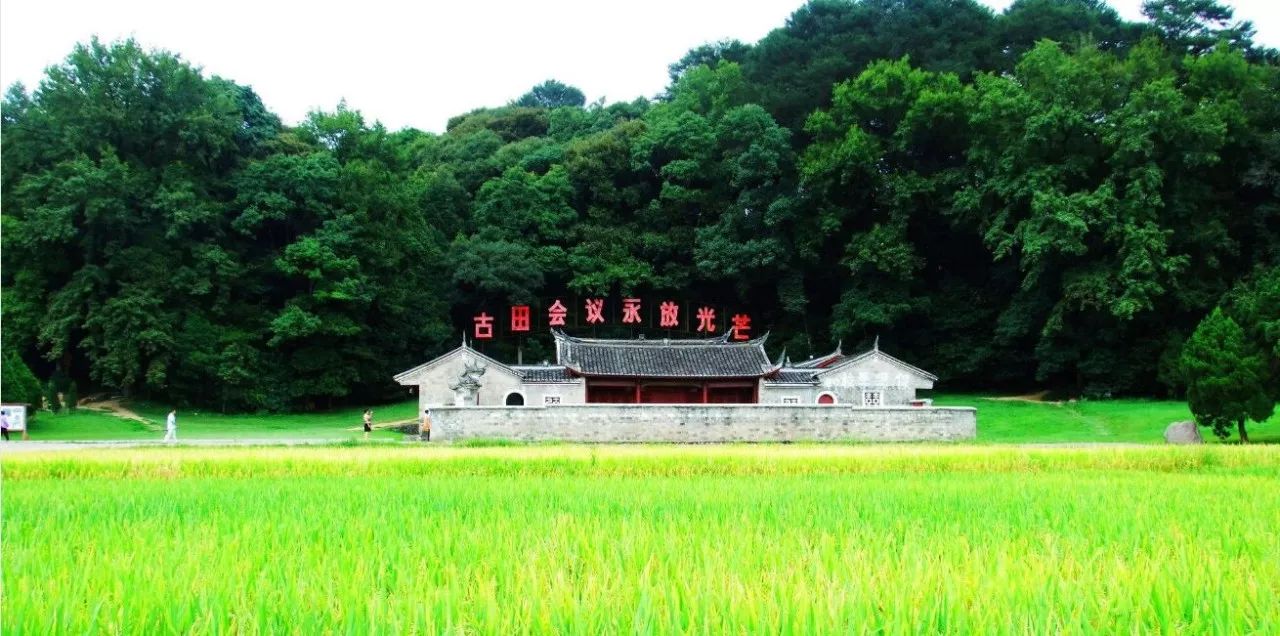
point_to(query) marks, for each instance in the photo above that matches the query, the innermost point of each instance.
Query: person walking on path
(171, 426)
(368, 423)
(4, 424)
(424, 429)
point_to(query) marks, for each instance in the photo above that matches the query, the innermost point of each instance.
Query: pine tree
(71, 396)
(1226, 380)
(51, 397)
(17, 383)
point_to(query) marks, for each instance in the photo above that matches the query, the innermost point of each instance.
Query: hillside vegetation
(1048, 197)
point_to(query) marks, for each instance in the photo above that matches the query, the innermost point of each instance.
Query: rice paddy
(793, 539)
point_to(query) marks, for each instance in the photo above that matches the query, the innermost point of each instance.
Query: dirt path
(1030, 397)
(117, 409)
(385, 425)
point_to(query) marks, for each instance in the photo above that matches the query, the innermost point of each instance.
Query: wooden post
(704, 392)
(637, 391)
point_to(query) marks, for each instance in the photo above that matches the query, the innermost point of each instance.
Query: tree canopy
(552, 94)
(1226, 378)
(1047, 197)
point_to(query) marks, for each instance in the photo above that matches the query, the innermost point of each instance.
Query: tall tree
(828, 41)
(120, 165)
(552, 94)
(1196, 26)
(709, 55)
(1255, 305)
(1026, 22)
(1226, 377)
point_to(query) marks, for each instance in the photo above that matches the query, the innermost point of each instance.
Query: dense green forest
(1051, 197)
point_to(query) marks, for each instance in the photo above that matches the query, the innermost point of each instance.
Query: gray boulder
(1183, 433)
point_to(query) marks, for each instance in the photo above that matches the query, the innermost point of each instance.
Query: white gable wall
(876, 372)
(846, 381)
(434, 379)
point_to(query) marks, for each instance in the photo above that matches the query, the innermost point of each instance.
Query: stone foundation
(703, 423)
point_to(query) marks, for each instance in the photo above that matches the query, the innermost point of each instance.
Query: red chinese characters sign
(595, 311)
(556, 314)
(670, 315)
(706, 319)
(520, 318)
(484, 326)
(741, 326)
(633, 312)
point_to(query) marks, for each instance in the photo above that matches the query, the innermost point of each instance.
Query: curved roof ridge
(657, 357)
(723, 339)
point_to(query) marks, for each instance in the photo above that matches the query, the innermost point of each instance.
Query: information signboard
(17, 415)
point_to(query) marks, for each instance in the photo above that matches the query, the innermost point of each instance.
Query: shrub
(17, 383)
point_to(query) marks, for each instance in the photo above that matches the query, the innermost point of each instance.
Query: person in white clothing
(171, 426)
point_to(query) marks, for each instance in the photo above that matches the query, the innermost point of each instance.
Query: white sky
(415, 62)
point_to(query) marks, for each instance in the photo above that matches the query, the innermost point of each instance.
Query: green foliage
(828, 41)
(1040, 197)
(72, 396)
(552, 94)
(192, 249)
(1227, 379)
(1197, 25)
(51, 400)
(710, 56)
(1255, 305)
(17, 384)
(1067, 21)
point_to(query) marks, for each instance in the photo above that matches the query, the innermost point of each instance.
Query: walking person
(368, 423)
(4, 424)
(424, 429)
(171, 427)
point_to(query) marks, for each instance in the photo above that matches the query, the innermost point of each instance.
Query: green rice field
(777, 539)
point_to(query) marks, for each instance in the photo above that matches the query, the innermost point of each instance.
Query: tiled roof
(543, 374)
(819, 363)
(790, 375)
(664, 358)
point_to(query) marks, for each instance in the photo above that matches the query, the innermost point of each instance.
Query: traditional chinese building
(666, 371)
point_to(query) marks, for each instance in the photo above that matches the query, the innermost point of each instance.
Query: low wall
(703, 423)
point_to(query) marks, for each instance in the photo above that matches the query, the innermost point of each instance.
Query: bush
(72, 396)
(1226, 377)
(17, 383)
(51, 397)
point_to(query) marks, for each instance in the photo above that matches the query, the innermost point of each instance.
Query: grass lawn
(999, 421)
(1115, 420)
(724, 539)
(84, 424)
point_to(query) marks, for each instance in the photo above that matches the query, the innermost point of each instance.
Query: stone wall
(699, 423)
